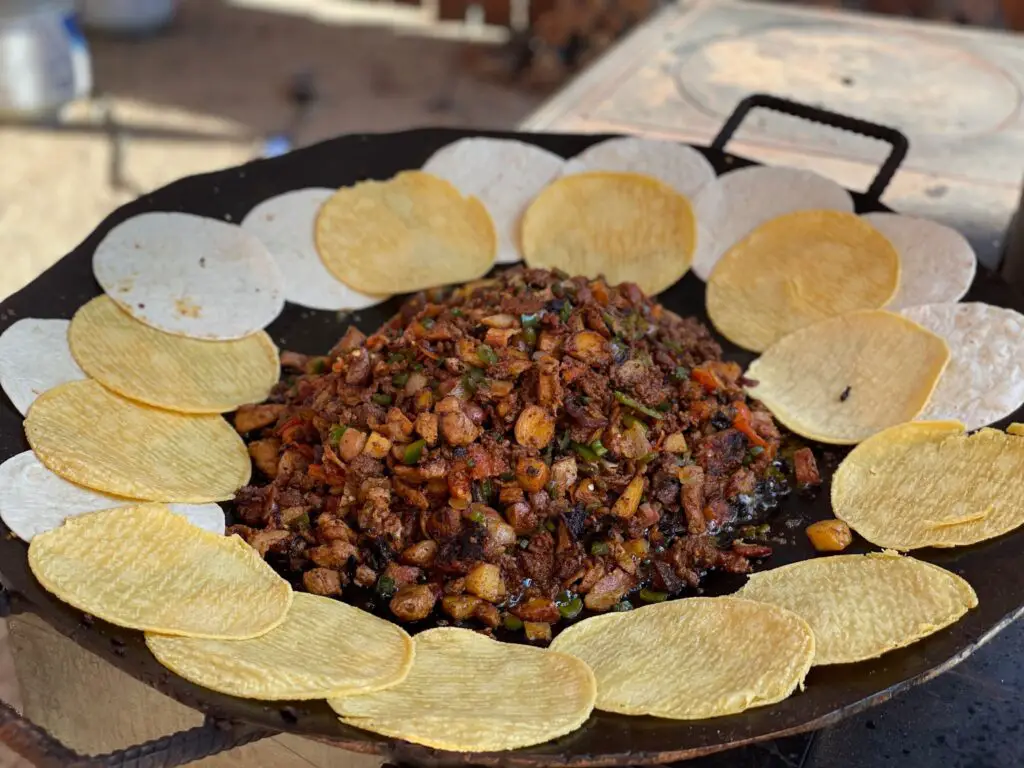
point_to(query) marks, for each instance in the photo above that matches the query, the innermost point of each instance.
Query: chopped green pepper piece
(598, 448)
(549, 525)
(319, 365)
(507, 476)
(648, 457)
(476, 515)
(530, 336)
(599, 548)
(486, 354)
(585, 451)
(571, 609)
(385, 586)
(470, 463)
(381, 398)
(400, 379)
(512, 623)
(636, 405)
(632, 421)
(486, 489)
(301, 522)
(337, 432)
(396, 357)
(530, 321)
(665, 406)
(565, 312)
(456, 312)
(625, 605)
(427, 322)
(681, 373)
(413, 452)
(653, 596)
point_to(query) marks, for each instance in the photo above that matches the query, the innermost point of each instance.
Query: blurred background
(183, 87)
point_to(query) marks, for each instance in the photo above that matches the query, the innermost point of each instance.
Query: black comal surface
(832, 692)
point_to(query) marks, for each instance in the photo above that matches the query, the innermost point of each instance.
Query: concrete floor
(222, 70)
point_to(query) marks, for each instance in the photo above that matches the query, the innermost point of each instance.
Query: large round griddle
(831, 694)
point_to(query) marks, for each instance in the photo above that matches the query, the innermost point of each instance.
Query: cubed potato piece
(485, 581)
(626, 505)
(535, 427)
(351, 444)
(377, 446)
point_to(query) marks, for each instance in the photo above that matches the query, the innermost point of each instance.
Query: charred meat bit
(805, 468)
(507, 444)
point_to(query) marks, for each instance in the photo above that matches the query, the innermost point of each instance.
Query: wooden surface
(954, 91)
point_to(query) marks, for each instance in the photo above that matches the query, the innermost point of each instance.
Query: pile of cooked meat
(512, 453)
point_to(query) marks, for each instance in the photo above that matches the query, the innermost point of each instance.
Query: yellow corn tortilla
(861, 606)
(412, 232)
(468, 693)
(92, 437)
(797, 270)
(147, 568)
(173, 372)
(929, 484)
(846, 378)
(694, 658)
(323, 648)
(625, 226)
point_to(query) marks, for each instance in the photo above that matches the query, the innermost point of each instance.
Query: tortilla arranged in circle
(984, 381)
(172, 372)
(145, 568)
(680, 166)
(929, 484)
(861, 606)
(34, 500)
(286, 225)
(797, 270)
(505, 175)
(324, 648)
(740, 201)
(92, 437)
(844, 379)
(190, 275)
(411, 232)
(35, 357)
(937, 264)
(693, 658)
(469, 693)
(627, 227)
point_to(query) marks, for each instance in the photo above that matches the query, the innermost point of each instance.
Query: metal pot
(44, 59)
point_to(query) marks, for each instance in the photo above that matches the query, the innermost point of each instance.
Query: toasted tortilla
(692, 659)
(92, 437)
(844, 379)
(34, 500)
(324, 648)
(861, 606)
(145, 568)
(505, 175)
(468, 693)
(411, 232)
(627, 227)
(35, 357)
(797, 270)
(984, 381)
(929, 484)
(190, 275)
(172, 372)
(740, 201)
(286, 224)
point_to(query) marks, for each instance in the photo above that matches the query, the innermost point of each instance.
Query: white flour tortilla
(285, 224)
(34, 500)
(681, 167)
(504, 175)
(35, 357)
(937, 264)
(190, 275)
(751, 196)
(984, 381)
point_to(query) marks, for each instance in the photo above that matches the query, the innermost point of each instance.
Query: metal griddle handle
(41, 749)
(894, 138)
